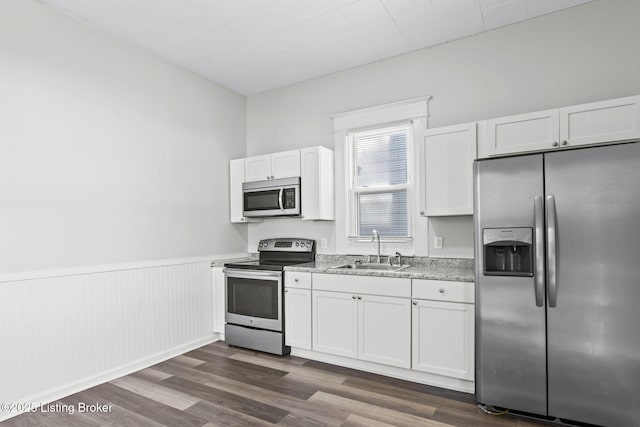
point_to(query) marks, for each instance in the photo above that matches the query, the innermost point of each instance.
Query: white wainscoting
(67, 330)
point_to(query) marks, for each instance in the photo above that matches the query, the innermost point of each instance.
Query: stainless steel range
(255, 295)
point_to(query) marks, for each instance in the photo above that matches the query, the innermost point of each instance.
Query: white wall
(108, 154)
(578, 55)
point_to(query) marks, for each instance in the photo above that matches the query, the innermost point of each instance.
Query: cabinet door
(612, 120)
(316, 168)
(219, 306)
(448, 170)
(524, 132)
(297, 305)
(257, 168)
(384, 325)
(236, 178)
(443, 338)
(285, 164)
(335, 323)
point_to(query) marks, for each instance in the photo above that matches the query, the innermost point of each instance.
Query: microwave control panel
(289, 198)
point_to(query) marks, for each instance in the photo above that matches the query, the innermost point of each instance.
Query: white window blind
(379, 182)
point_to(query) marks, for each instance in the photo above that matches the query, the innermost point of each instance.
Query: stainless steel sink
(371, 267)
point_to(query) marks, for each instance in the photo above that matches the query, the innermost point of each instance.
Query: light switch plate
(437, 242)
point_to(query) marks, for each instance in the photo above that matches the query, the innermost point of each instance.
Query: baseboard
(389, 371)
(69, 389)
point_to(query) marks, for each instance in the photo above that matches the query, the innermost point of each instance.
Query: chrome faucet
(376, 238)
(398, 257)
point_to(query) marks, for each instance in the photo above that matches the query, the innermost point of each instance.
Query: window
(379, 182)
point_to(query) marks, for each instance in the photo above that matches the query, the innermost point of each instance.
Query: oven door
(254, 298)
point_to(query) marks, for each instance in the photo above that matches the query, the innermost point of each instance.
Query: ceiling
(252, 46)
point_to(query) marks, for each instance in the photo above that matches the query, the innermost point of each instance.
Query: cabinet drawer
(297, 279)
(441, 290)
(369, 285)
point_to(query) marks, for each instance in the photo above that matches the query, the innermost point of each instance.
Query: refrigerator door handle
(551, 251)
(538, 216)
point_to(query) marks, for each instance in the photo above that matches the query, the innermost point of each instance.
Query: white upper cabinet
(313, 165)
(285, 164)
(236, 178)
(257, 168)
(594, 123)
(524, 132)
(317, 183)
(447, 156)
(613, 120)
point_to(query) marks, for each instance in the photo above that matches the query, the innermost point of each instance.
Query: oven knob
(297, 244)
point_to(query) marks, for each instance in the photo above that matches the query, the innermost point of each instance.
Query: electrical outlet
(323, 243)
(437, 242)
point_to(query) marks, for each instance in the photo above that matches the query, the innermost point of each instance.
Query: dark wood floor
(218, 385)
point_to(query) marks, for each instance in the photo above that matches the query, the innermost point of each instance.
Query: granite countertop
(460, 270)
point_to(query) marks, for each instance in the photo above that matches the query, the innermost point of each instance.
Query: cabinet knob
(422, 213)
(554, 143)
(296, 280)
(441, 290)
(286, 290)
(353, 297)
(415, 302)
(268, 177)
(565, 142)
(359, 297)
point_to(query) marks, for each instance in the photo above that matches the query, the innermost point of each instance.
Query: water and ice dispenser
(508, 251)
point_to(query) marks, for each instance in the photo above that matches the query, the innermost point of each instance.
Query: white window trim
(413, 110)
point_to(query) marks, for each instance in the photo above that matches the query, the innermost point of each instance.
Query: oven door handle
(231, 272)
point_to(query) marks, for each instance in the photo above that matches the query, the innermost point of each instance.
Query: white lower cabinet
(335, 323)
(443, 328)
(297, 310)
(219, 303)
(351, 323)
(384, 325)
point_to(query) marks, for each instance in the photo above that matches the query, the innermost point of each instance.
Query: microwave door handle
(280, 199)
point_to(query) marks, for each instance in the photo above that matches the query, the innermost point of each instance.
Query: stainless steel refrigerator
(557, 242)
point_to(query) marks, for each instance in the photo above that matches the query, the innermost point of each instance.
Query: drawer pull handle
(441, 290)
(415, 303)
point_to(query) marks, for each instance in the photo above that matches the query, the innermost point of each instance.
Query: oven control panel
(287, 245)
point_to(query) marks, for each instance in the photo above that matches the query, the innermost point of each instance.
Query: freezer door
(594, 328)
(510, 326)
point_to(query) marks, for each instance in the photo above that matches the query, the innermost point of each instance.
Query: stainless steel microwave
(274, 197)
